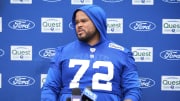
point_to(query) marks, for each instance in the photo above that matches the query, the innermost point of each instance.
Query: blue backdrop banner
(30, 30)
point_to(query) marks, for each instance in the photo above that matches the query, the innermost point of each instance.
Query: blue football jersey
(108, 68)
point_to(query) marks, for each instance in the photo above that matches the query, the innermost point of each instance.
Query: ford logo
(112, 1)
(21, 81)
(171, 1)
(47, 53)
(170, 54)
(71, 25)
(51, 0)
(142, 26)
(146, 82)
(21, 24)
(1, 52)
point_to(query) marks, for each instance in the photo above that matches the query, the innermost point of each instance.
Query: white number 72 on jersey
(84, 65)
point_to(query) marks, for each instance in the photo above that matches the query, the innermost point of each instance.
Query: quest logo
(143, 2)
(21, 53)
(43, 79)
(2, 52)
(112, 1)
(170, 54)
(47, 53)
(0, 80)
(114, 25)
(0, 24)
(52, 25)
(51, 0)
(21, 24)
(171, 1)
(21, 1)
(21, 81)
(146, 82)
(171, 26)
(142, 26)
(142, 54)
(170, 83)
(81, 2)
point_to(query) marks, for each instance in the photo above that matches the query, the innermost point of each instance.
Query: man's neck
(94, 40)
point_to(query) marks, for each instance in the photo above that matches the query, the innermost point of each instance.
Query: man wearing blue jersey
(92, 61)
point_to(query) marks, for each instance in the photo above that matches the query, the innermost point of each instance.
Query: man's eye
(84, 20)
(76, 22)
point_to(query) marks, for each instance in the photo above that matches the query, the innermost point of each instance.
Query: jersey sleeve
(52, 85)
(130, 80)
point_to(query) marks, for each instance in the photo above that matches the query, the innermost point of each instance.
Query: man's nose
(79, 24)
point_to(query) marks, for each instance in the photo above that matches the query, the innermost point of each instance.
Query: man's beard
(87, 37)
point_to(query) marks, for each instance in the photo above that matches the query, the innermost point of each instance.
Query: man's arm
(51, 87)
(130, 80)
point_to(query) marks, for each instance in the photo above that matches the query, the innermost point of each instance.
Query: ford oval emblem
(71, 25)
(142, 26)
(170, 54)
(146, 82)
(1, 52)
(171, 1)
(21, 81)
(47, 53)
(21, 24)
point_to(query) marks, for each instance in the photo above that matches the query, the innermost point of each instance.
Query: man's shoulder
(116, 46)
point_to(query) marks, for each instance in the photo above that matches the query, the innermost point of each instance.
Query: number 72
(84, 65)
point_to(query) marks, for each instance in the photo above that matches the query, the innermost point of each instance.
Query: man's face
(85, 29)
